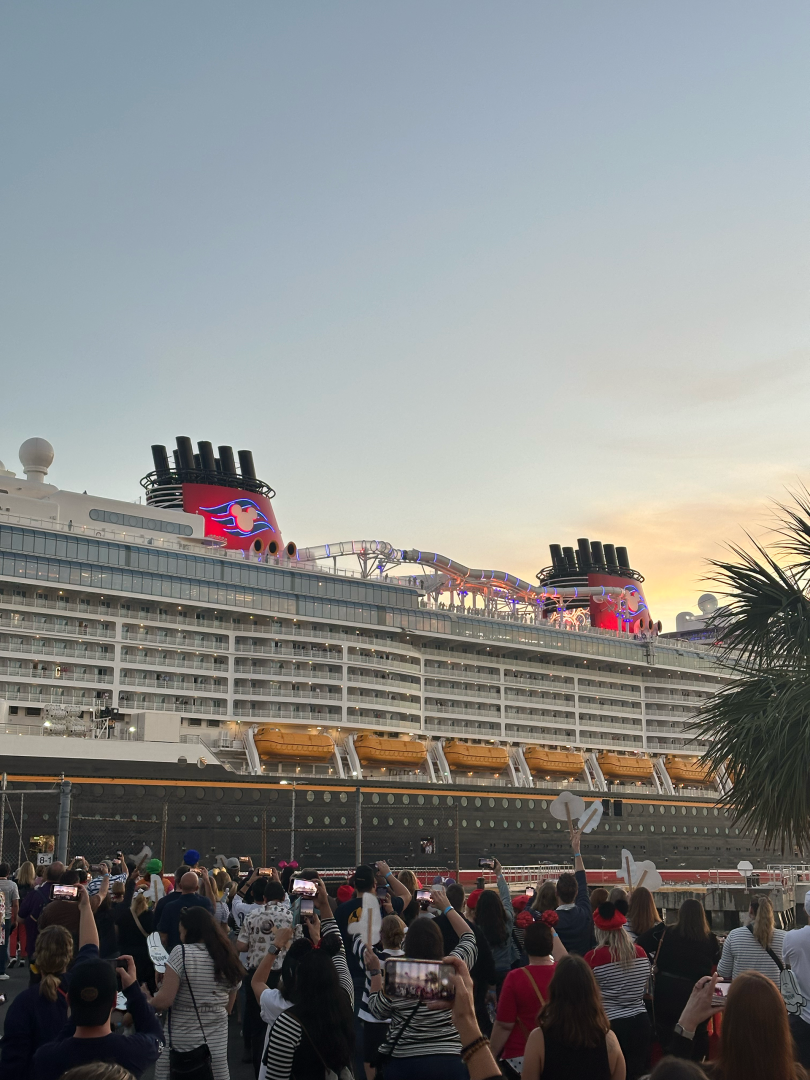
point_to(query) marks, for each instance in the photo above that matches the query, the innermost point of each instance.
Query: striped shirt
(742, 952)
(358, 947)
(285, 1035)
(623, 988)
(428, 1031)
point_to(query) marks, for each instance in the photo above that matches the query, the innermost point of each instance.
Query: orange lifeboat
(624, 766)
(690, 771)
(553, 762)
(379, 750)
(278, 745)
(474, 757)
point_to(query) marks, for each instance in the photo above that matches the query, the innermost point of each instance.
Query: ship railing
(190, 707)
(61, 676)
(140, 679)
(272, 692)
(43, 695)
(370, 678)
(453, 692)
(322, 655)
(157, 661)
(291, 673)
(41, 625)
(466, 710)
(376, 661)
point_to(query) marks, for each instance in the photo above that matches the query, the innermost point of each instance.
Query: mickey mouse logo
(241, 517)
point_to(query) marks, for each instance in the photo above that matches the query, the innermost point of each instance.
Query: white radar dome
(36, 456)
(707, 603)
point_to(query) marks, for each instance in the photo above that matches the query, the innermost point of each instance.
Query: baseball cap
(232, 865)
(191, 858)
(154, 866)
(92, 992)
(364, 877)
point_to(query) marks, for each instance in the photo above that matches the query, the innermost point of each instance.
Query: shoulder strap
(534, 984)
(138, 923)
(658, 950)
(403, 1029)
(193, 1001)
(768, 950)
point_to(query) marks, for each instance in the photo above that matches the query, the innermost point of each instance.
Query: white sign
(591, 817)
(637, 874)
(44, 858)
(567, 806)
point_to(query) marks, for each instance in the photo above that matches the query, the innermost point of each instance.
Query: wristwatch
(681, 1030)
(373, 973)
(273, 949)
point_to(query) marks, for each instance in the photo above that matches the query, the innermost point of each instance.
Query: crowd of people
(383, 975)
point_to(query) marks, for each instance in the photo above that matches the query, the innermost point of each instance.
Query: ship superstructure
(185, 629)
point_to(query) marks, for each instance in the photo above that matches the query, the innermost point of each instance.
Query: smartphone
(486, 864)
(423, 898)
(307, 907)
(119, 963)
(304, 887)
(265, 871)
(420, 980)
(382, 892)
(529, 891)
(65, 892)
(245, 862)
(721, 989)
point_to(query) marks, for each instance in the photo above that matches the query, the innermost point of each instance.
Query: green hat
(154, 866)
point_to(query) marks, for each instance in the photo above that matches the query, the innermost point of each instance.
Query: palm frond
(765, 623)
(759, 729)
(794, 533)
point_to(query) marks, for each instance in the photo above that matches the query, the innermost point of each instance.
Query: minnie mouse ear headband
(292, 865)
(550, 918)
(608, 917)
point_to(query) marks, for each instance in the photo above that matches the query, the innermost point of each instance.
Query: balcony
(321, 655)
(374, 661)
(546, 697)
(197, 663)
(37, 695)
(251, 711)
(190, 708)
(38, 626)
(371, 679)
(467, 710)
(441, 690)
(160, 684)
(277, 671)
(278, 692)
(41, 647)
(52, 676)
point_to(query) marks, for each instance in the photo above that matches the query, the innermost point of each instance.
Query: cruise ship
(204, 682)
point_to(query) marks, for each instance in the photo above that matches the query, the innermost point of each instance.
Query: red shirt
(519, 1004)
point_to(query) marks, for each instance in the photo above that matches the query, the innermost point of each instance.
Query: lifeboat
(473, 757)
(690, 771)
(277, 745)
(553, 762)
(379, 750)
(624, 766)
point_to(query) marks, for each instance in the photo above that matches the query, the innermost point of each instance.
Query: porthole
(694, 811)
(629, 828)
(421, 821)
(218, 793)
(310, 796)
(477, 802)
(310, 821)
(517, 824)
(342, 820)
(506, 824)
(449, 800)
(651, 809)
(559, 825)
(736, 832)
(652, 828)
(272, 820)
(390, 821)
(449, 823)
(705, 811)
(619, 828)
(182, 817)
(478, 824)
(236, 818)
(543, 804)
(545, 824)
(705, 829)
(327, 797)
(463, 800)
(694, 828)
(464, 823)
(672, 809)
(343, 796)
(518, 804)
(255, 795)
(326, 819)
(181, 793)
(607, 827)
(491, 824)
(374, 821)
(504, 803)
(683, 809)
(405, 822)
(201, 793)
(491, 802)
(435, 821)
(726, 832)
(530, 804)
(716, 812)
(238, 793)
(435, 800)
(531, 824)
(254, 818)
(420, 799)
(684, 828)
(390, 799)
(139, 791)
(641, 828)
(375, 798)
(219, 817)
(629, 808)
(159, 792)
(716, 831)
(406, 800)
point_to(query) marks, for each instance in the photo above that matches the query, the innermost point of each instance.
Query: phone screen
(721, 989)
(486, 864)
(303, 887)
(423, 894)
(65, 892)
(266, 871)
(529, 891)
(422, 980)
(307, 906)
(382, 893)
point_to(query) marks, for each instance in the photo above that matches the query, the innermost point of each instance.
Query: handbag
(789, 987)
(190, 1064)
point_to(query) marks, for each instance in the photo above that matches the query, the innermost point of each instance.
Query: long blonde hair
(622, 949)
(763, 920)
(139, 904)
(26, 875)
(52, 954)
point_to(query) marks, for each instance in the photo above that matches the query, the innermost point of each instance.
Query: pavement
(18, 981)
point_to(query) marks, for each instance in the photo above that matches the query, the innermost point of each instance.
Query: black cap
(92, 992)
(364, 877)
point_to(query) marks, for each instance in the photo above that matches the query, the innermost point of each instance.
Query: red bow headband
(292, 865)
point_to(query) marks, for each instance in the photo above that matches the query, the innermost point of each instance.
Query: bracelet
(473, 1048)
(374, 973)
(388, 875)
(577, 855)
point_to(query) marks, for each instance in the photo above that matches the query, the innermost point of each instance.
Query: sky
(468, 277)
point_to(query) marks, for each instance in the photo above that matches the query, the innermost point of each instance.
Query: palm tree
(759, 725)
